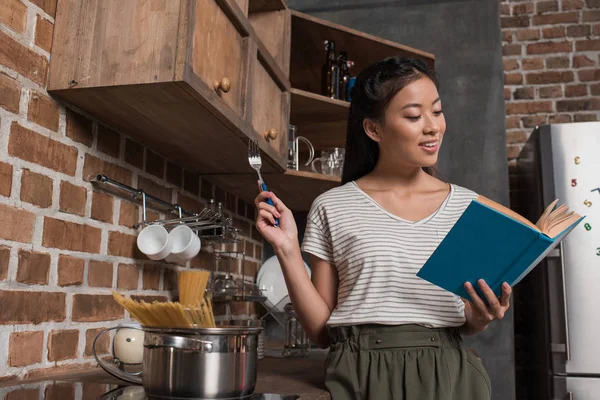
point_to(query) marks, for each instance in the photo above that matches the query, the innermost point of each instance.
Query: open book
(492, 242)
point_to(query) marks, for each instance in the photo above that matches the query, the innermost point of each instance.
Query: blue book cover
(487, 244)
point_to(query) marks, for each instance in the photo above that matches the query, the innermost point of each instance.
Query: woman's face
(413, 126)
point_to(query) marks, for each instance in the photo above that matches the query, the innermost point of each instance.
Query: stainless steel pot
(205, 363)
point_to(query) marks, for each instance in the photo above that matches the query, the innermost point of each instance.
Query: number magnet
(573, 182)
(598, 252)
(588, 227)
(587, 203)
(577, 160)
(597, 189)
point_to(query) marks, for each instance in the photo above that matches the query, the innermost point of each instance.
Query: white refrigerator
(562, 161)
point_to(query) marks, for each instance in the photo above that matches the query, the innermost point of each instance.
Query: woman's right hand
(281, 237)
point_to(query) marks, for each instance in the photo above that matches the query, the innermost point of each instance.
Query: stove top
(91, 390)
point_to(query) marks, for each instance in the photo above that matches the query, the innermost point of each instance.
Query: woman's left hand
(478, 314)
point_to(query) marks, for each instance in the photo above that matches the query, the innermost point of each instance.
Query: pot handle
(112, 368)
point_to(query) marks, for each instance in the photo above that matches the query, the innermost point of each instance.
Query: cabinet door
(219, 51)
(270, 106)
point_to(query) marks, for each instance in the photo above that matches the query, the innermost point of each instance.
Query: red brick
(513, 151)
(134, 153)
(507, 36)
(596, 30)
(531, 107)
(588, 45)
(589, 75)
(532, 121)
(13, 14)
(155, 164)
(511, 123)
(203, 260)
(524, 93)
(19, 307)
(40, 149)
(578, 105)
(590, 16)
(509, 50)
(576, 90)
(514, 22)
(568, 5)
(6, 175)
(206, 190)
(128, 276)
(70, 270)
(102, 207)
(546, 6)
(67, 235)
(557, 62)
(528, 34)
(123, 245)
(189, 203)
(60, 391)
(43, 111)
(154, 189)
(554, 32)
(191, 182)
(36, 189)
(585, 117)
(23, 394)
(25, 348)
(43, 33)
(149, 298)
(94, 165)
(109, 141)
(16, 224)
(174, 174)
(102, 345)
(94, 308)
(151, 278)
(507, 93)
(504, 9)
(541, 78)
(250, 268)
(559, 119)
(62, 345)
(4, 261)
(23, 60)
(581, 61)
(72, 198)
(169, 279)
(549, 47)
(10, 93)
(34, 267)
(100, 274)
(49, 6)
(257, 236)
(523, 8)
(593, 3)
(551, 92)
(128, 214)
(579, 30)
(533, 63)
(558, 18)
(595, 89)
(79, 128)
(513, 137)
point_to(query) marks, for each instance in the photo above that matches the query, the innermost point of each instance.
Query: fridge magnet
(587, 203)
(588, 227)
(577, 160)
(573, 182)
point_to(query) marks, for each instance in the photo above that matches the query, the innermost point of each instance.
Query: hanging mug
(293, 145)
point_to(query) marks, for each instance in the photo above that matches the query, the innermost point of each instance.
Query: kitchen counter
(295, 376)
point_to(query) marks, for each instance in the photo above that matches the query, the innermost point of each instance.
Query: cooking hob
(137, 393)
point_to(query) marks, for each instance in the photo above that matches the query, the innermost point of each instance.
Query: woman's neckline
(396, 217)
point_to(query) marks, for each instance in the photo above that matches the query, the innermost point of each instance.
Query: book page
(506, 211)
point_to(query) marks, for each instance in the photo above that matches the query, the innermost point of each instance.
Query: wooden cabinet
(194, 80)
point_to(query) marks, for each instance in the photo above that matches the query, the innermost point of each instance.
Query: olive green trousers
(407, 362)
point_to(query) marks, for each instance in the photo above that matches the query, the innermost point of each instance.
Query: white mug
(154, 241)
(186, 244)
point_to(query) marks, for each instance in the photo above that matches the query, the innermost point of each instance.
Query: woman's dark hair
(373, 90)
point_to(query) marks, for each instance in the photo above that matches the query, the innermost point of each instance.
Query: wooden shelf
(255, 6)
(308, 51)
(297, 189)
(320, 119)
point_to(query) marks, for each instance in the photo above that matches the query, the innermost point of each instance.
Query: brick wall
(551, 64)
(64, 245)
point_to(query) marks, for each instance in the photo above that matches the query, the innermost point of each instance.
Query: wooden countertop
(293, 376)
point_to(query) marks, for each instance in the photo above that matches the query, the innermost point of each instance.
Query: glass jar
(295, 343)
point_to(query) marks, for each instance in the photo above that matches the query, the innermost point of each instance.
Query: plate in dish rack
(270, 281)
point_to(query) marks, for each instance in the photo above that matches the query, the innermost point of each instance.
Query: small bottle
(295, 339)
(345, 66)
(330, 86)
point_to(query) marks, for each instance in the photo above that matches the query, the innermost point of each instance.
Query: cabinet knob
(224, 85)
(271, 134)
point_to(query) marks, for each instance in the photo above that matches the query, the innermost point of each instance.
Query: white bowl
(154, 242)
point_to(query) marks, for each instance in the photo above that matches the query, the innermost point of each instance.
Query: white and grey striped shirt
(378, 254)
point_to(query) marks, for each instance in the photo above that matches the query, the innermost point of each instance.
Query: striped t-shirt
(377, 256)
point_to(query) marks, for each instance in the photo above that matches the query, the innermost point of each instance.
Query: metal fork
(256, 163)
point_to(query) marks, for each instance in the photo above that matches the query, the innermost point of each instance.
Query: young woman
(391, 334)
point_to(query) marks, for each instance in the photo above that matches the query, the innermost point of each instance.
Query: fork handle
(263, 186)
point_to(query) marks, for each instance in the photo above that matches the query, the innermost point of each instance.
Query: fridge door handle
(570, 396)
(566, 310)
